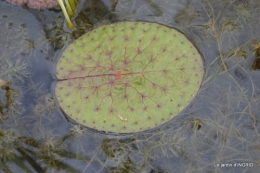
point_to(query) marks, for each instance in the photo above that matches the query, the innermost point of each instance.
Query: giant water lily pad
(128, 77)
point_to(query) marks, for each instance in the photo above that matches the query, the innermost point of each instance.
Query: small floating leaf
(128, 77)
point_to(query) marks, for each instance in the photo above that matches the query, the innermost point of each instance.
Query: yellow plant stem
(71, 4)
(70, 24)
(69, 8)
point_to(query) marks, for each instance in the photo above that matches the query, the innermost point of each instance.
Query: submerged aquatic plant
(128, 77)
(15, 69)
(32, 155)
(9, 103)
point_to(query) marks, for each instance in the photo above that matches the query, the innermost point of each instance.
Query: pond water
(217, 132)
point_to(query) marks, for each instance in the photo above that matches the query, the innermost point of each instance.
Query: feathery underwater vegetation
(219, 126)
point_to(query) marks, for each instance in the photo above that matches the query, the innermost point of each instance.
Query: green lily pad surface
(128, 77)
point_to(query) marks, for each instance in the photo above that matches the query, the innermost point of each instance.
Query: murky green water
(220, 126)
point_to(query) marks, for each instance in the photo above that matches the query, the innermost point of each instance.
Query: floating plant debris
(128, 77)
(3, 83)
(256, 64)
(5, 106)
